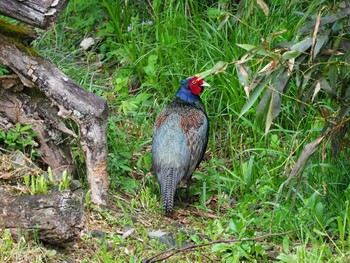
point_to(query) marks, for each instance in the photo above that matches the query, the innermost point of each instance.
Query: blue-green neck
(186, 94)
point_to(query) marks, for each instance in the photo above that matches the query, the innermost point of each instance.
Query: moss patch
(14, 31)
(19, 44)
(19, 36)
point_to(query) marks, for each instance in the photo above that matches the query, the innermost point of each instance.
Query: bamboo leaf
(278, 81)
(269, 116)
(321, 40)
(262, 108)
(243, 73)
(259, 50)
(218, 68)
(308, 151)
(316, 91)
(290, 54)
(264, 7)
(281, 80)
(274, 110)
(246, 46)
(303, 45)
(333, 75)
(326, 87)
(314, 35)
(252, 99)
(276, 105)
(308, 28)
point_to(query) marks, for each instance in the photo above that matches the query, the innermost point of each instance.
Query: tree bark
(38, 13)
(56, 218)
(72, 102)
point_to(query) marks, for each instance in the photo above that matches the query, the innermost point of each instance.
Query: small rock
(74, 185)
(166, 239)
(98, 234)
(156, 234)
(163, 238)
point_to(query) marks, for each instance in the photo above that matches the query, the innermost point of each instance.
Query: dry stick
(192, 247)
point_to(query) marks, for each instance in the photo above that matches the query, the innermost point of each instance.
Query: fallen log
(38, 13)
(55, 218)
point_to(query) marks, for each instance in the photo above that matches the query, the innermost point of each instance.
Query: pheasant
(180, 139)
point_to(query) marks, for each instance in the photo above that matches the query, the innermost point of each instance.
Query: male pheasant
(180, 139)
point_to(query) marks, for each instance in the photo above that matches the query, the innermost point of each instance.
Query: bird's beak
(205, 84)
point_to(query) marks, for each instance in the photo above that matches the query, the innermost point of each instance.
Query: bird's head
(191, 88)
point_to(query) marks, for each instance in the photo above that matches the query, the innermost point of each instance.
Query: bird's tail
(170, 178)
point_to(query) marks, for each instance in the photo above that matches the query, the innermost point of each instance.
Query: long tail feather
(170, 178)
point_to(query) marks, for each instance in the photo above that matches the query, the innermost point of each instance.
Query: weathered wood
(56, 218)
(32, 107)
(73, 102)
(39, 13)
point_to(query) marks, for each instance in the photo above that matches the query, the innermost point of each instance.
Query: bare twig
(193, 247)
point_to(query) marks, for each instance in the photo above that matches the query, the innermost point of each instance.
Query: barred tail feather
(169, 179)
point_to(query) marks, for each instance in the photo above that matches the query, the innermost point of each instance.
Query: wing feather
(195, 126)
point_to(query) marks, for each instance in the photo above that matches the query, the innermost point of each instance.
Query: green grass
(238, 188)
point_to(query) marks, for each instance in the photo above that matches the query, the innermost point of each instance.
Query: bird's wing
(195, 126)
(160, 119)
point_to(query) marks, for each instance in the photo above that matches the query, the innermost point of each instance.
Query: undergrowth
(141, 50)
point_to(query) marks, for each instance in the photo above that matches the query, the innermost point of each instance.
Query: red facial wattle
(195, 85)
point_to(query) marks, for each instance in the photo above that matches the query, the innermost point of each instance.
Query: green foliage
(147, 201)
(20, 138)
(88, 203)
(43, 183)
(316, 65)
(6, 244)
(3, 70)
(64, 182)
